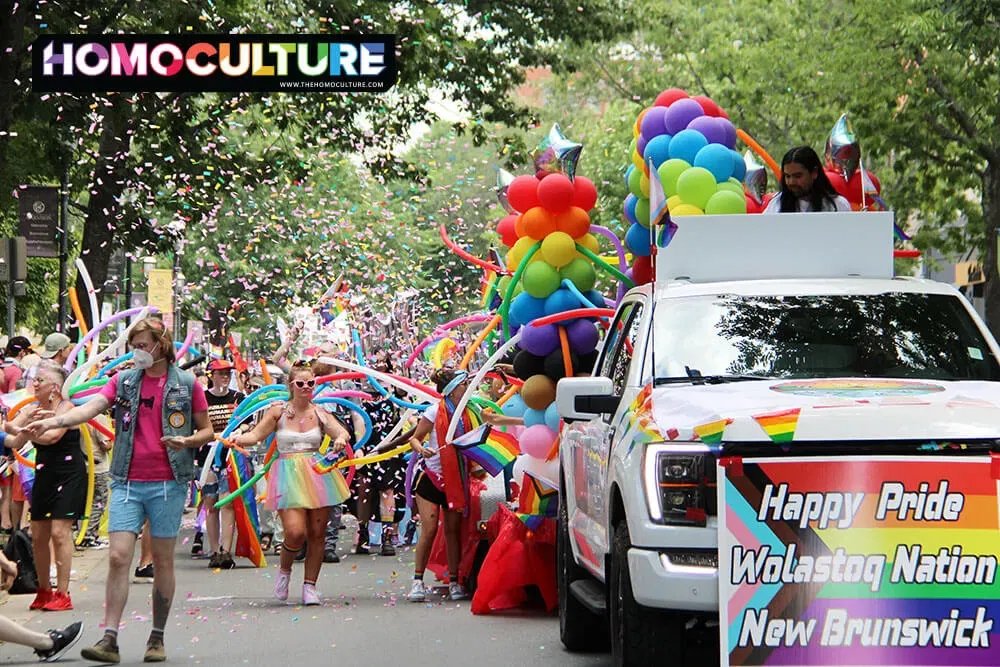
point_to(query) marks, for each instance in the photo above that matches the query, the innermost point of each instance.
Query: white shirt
(434, 462)
(841, 205)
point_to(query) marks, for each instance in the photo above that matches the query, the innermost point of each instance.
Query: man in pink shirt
(17, 349)
(161, 419)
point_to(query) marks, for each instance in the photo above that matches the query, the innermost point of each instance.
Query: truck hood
(817, 409)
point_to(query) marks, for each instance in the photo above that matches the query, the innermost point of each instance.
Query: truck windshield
(895, 334)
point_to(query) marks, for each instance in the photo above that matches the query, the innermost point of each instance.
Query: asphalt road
(230, 617)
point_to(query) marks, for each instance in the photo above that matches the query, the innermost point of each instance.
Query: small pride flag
(711, 433)
(492, 449)
(538, 501)
(779, 426)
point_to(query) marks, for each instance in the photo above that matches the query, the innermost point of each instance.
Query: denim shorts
(133, 502)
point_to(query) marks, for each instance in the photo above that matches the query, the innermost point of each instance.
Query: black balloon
(555, 369)
(587, 362)
(527, 364)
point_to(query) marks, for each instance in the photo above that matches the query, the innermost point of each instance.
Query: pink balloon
(536, 441)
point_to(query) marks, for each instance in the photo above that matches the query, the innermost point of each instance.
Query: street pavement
(223, 618)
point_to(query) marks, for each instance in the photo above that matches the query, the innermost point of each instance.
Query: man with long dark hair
(804, 186)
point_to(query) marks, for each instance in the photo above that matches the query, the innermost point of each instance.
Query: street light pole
(63, 248)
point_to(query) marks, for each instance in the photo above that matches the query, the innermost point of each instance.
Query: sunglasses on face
(302, 384)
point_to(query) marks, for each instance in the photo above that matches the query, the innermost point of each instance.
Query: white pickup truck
(746, 315)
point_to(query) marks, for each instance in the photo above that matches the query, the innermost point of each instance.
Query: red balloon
(507, 230)
(838, 182)
(555, 193)
(522, 193)
(752, 206)
(584, 193)
(854, 188)
(642, 270)
(669, 96)
(708, 106)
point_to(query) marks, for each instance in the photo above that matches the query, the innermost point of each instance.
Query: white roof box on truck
(717, 248)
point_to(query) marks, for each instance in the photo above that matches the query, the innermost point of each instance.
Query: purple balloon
(680, 114)
(710, 127)
(640, 144)
(582, 336)
(730, 131)
(541, 340)
(652, 123)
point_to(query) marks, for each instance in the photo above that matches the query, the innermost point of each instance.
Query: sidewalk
(85, 563)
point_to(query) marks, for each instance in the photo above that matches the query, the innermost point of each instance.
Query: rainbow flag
(538, 501)
(780, 426)
(26, 475)
(245, 507)
(492, 449)
(711, 433)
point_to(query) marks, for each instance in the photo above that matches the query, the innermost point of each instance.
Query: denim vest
(177, 421)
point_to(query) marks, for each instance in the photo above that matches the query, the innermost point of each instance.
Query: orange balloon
(538, 223)
(575, 222)
(519, 226)
(638, 121)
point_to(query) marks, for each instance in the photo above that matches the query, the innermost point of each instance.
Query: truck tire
(579, 629)
(639, 635)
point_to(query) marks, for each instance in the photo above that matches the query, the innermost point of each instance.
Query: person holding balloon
(441, 481)
(805, 187)
(301, 495)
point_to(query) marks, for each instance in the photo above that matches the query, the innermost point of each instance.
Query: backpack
(19, 550)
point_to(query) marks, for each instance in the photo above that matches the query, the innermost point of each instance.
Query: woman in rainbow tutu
(300, 494)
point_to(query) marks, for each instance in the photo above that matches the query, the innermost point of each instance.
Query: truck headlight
(680, 483)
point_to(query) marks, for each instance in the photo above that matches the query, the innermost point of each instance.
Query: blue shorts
(133, 502)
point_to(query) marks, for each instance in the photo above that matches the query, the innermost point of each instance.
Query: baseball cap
(54, 342)
(220, 365)
(18, 344)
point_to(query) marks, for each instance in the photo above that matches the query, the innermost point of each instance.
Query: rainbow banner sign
(872, 560)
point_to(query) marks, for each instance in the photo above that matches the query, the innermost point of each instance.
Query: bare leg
(294, 521)
(428, 525)
(41, 533)
(62, 540)
(228, 520)
(164, 581)
(121, 551)
(453, 539)
(315, 541)
(16, 634)
(6, 493)
(212, 523)
(146, 546)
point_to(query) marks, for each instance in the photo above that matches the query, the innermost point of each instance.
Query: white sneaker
(417, 592)
(457, 592)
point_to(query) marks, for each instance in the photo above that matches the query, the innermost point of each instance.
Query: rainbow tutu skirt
(292, 483)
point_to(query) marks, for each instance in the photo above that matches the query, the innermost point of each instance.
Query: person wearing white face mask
(161, 418)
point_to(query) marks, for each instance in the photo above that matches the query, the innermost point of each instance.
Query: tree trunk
(991, 220)
(104, 213)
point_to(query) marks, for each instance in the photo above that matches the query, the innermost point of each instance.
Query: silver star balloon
(556, 154)
(843, 152)
(504, 179)
(755, 180)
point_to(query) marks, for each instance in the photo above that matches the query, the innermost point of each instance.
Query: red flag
(238, 361)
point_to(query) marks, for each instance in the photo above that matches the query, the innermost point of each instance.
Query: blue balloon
(658, 149)
(533, 417)
(560, 301)
(525, 308)
(637, 240)
(515, 407)
(628, 173)
(596, 297)
(551, 417)
(686, 144)
(739, 167)
(630, 203)
(717, 159)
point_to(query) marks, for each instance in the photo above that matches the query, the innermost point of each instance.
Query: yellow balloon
(686, 209)
(518, 251)
(637, 160)
(674, 202)
(589, 241)
(558, 249)
(644, 185)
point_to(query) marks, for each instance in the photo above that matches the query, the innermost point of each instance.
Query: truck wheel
(639, 635)
(579, 629)
(472, 582)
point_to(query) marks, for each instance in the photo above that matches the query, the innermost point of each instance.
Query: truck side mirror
(580, 399)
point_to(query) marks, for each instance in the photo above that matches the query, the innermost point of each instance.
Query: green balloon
(735, 181)
(580, 272)
(736, 188)
(503, 284)
(696, 186)
(518, 289)
(642, 211)
(669, 172)
(635, 182)
(726, 202)
(540, 279)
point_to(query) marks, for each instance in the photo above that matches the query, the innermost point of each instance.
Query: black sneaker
(330, 555)
(411, 531)
(387, 547)
(62, 641)
(362, 547)
(226, 561)
(198, 548)
(215, 560)
(144, 573)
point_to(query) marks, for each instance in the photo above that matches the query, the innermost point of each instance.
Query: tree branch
(697, 77)
(610, 78)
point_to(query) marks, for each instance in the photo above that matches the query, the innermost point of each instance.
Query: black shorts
(424, 487)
